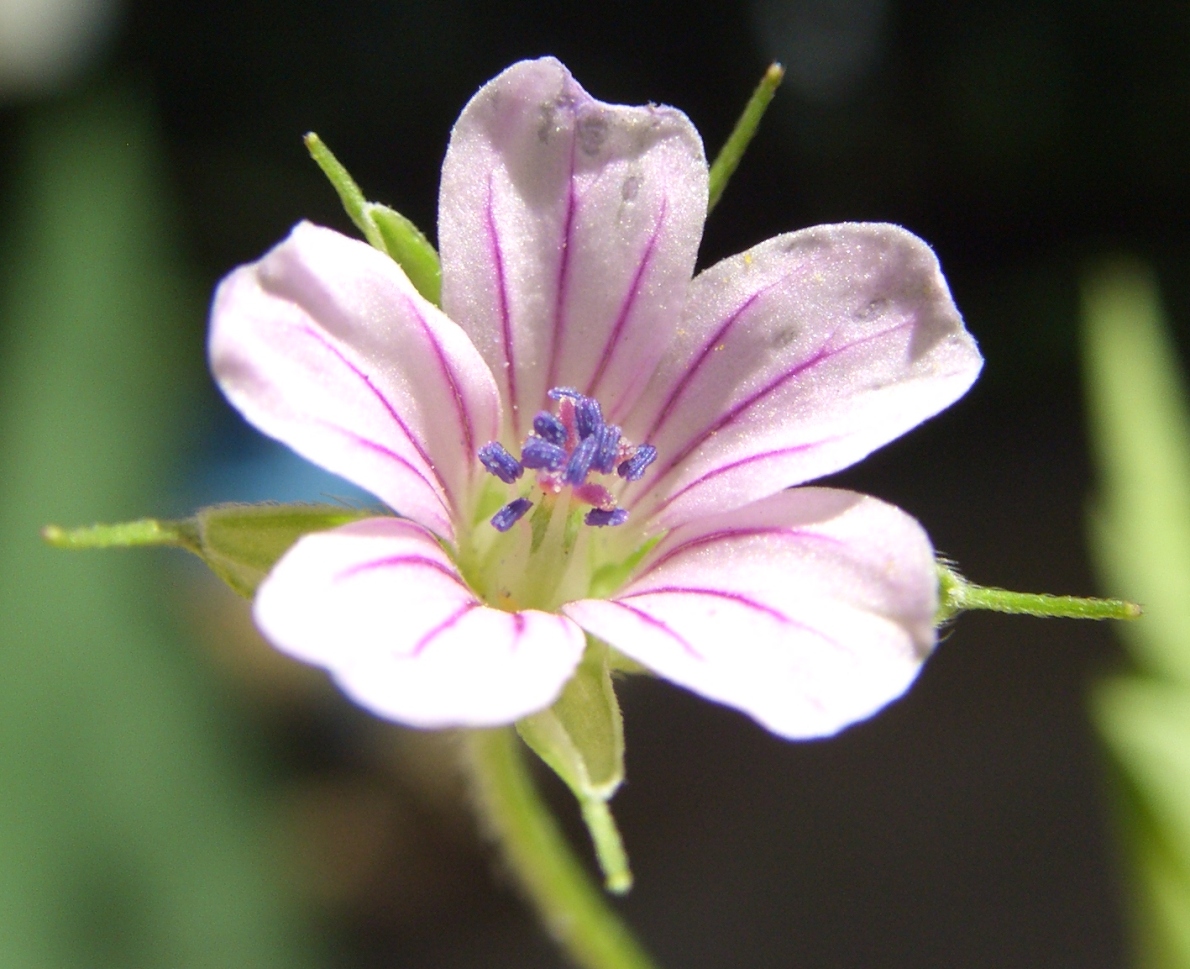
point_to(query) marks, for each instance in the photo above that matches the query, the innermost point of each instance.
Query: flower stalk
(728, 159)
(956, 594)
(567, 901)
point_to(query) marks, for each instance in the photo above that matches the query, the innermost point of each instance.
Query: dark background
(964, 827)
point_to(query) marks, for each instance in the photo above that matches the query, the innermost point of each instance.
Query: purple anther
(608, 450)
(557, 393)
(510, 514)
(550, 428)
(500, 463)
(580, 461)
(634, 468)
(588, 416)
(542, 455)
(599, 517)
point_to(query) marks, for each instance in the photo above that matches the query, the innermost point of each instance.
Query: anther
(558, 393)
(542, 455)
(633, 469)
(550, 428)
(588, 416)
(608, 450)
(510, 514)
(580, 461)
(499, 462)
(599, 517)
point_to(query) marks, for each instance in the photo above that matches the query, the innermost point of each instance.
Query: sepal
(386, 229)
(581, 738)
(240, 543)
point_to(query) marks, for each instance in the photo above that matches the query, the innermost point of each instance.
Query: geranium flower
(586, 440)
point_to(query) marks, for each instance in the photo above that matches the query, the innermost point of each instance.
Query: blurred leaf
(1141, 435)
(1140, 431)
(130, 834)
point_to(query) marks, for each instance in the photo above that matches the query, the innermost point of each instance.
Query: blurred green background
(174, 795)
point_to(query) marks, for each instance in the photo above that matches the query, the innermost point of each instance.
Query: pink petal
(325, 345)
(381, 606)
(569, 229)
(795, 359)
(809, 610)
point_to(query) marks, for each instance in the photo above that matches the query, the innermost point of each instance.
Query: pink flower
(568, 232)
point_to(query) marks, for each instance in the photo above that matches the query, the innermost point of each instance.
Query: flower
(586, 440)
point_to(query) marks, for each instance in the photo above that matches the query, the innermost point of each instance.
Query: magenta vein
(658, 624)
(390, 561)
(385, 402)
(821, 355)
(629, 301)
(448, 375)
(725, 534)
(442, 627)
(733, 466)
(393, 456)
(502, 299)
(562, 289)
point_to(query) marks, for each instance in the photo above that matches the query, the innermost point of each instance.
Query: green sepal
(408, 245)
(386, 229)
(581, 737)
(240, 543)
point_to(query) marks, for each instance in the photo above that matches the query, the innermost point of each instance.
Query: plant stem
(737, 142)
(568, 903)
(958, 595)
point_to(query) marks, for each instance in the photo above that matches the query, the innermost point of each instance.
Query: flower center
(566, 449)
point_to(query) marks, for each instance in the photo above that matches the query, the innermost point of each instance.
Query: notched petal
(808, 610)
(569, 229)
(381, 606)
(796, 359)
(325, 345)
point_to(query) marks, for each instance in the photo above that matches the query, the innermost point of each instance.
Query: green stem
(957, 595)
(145, 531)
(728, 159)
(567, 901)
(349, 192)
(609, 847)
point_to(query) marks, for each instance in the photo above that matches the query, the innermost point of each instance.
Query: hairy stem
(572, 909)
(728, 159)
(957, 595)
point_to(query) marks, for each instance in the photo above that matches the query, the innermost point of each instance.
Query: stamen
(580, 461)
(510, 514)
(550, 428)
(608, 449)
(599, 518)
(542, 455)
(499, 462)
(633, 469)
(564, 449)
(588, 417)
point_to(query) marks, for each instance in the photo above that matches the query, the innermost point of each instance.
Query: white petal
(796, 359)
(569, 229)
(809, 610)
(325, 345)
(381, 606)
